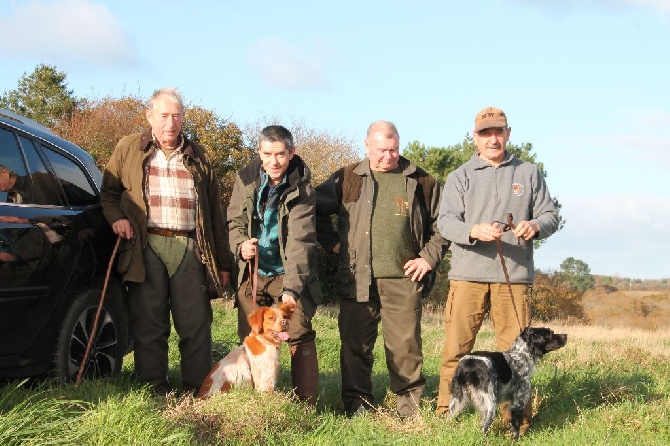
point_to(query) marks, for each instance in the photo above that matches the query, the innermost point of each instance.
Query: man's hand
(123, 228)
(526, 230)
(288, 298)
(417, 268)
(486, 232)
(248, 248)
(7, 257)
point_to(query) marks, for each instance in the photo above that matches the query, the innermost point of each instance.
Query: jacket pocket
(345, 279)
(126, 255)
(314, 291)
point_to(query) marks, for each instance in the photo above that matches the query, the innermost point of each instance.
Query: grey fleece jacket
(478, 192)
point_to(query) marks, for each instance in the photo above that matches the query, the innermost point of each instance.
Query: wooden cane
(97, 315)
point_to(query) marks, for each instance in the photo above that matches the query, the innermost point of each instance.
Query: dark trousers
(396, 303)
(184, 295)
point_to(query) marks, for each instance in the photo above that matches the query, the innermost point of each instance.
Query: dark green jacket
(348, 194)
(297, 226)
(123, 196)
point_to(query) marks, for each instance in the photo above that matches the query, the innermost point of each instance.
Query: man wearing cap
(477, 196)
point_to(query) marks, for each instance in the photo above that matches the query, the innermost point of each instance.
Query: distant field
(649, 310)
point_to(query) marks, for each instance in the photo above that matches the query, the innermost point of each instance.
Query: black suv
(55, 247)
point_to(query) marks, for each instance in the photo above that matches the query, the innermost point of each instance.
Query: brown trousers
(396, 303)
(466, 305)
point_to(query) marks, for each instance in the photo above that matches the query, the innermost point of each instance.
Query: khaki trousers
(467, 303)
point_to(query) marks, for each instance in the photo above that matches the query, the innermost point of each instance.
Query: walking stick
(97, 315)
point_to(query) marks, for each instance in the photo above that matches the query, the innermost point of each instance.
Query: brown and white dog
(255, 363)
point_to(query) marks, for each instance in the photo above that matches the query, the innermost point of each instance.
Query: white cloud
(662, 7)
(623, 234)
(282, 65)
(647, 147)
(65, 30)
(651, 119)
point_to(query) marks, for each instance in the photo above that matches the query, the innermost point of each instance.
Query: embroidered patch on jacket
(517, 189)
(403, 206)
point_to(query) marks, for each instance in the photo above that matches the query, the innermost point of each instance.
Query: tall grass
(607, 386)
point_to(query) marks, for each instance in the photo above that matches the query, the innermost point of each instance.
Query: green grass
(605, 387)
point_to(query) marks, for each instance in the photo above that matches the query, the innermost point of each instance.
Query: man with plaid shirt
(160, 193)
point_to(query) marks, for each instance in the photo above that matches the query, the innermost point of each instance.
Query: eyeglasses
(498, 131)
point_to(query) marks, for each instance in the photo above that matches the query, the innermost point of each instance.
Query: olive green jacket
(348, 194)
(123, 196)
(296, 230)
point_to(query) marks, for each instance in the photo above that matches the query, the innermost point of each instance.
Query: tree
(98, 124)
(577, 275)
(553, 298)
(42, 96)
(224, 141)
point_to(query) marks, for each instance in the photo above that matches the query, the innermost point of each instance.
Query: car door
(40, 236)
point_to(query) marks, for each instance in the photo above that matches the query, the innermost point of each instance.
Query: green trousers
(184, 296)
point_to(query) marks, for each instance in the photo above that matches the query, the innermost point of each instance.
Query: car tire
(110, 345)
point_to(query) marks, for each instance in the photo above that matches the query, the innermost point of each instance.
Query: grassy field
(608, 386)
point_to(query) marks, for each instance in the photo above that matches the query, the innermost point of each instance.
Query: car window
(14, 182)
(45, 189)
(72, 178)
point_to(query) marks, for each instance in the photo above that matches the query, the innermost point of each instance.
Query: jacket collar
(147, 141)
(408, 168)
(480, 163)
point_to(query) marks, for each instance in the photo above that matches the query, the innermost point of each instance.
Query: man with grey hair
(161, 195)
(389, 250)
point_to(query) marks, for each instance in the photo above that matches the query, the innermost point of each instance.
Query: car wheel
(109, 346)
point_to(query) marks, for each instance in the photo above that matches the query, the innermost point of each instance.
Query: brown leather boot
(305, 372)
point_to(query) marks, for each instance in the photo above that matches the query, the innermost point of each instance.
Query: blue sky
(586, 81)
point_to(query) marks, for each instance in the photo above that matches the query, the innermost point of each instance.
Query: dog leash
(508, 226)
(253, 276)
(97, 314)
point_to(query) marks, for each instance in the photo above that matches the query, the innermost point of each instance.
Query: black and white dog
(485, 379)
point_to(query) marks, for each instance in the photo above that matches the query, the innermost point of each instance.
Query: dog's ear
(288, 308)
(255, 319)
